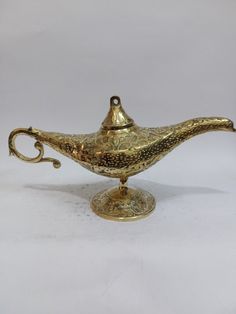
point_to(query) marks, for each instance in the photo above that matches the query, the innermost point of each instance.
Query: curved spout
(187, 129)
(206, 124)
(176, 134)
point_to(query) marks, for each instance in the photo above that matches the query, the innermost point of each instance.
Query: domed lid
(116, 118)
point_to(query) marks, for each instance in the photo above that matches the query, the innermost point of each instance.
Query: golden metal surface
(123, 204)
(119, 149)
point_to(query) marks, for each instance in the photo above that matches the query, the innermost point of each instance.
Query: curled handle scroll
(38, 145)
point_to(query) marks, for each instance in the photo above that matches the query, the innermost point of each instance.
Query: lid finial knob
(115, 101)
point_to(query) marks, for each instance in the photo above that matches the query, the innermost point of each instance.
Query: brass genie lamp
(119, 149)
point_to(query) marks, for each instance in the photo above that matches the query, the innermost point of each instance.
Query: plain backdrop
(168, 61)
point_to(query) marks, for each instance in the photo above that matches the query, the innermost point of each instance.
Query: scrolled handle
(38, 145)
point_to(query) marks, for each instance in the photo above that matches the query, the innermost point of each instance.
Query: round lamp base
(123, 204)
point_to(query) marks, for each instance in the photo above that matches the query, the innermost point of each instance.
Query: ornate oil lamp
(119, 149)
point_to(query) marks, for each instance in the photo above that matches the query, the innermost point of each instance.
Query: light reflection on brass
(119, 149)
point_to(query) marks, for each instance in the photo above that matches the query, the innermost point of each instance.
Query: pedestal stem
(123, 186)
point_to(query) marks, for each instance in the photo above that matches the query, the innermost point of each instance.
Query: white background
(168, 61)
